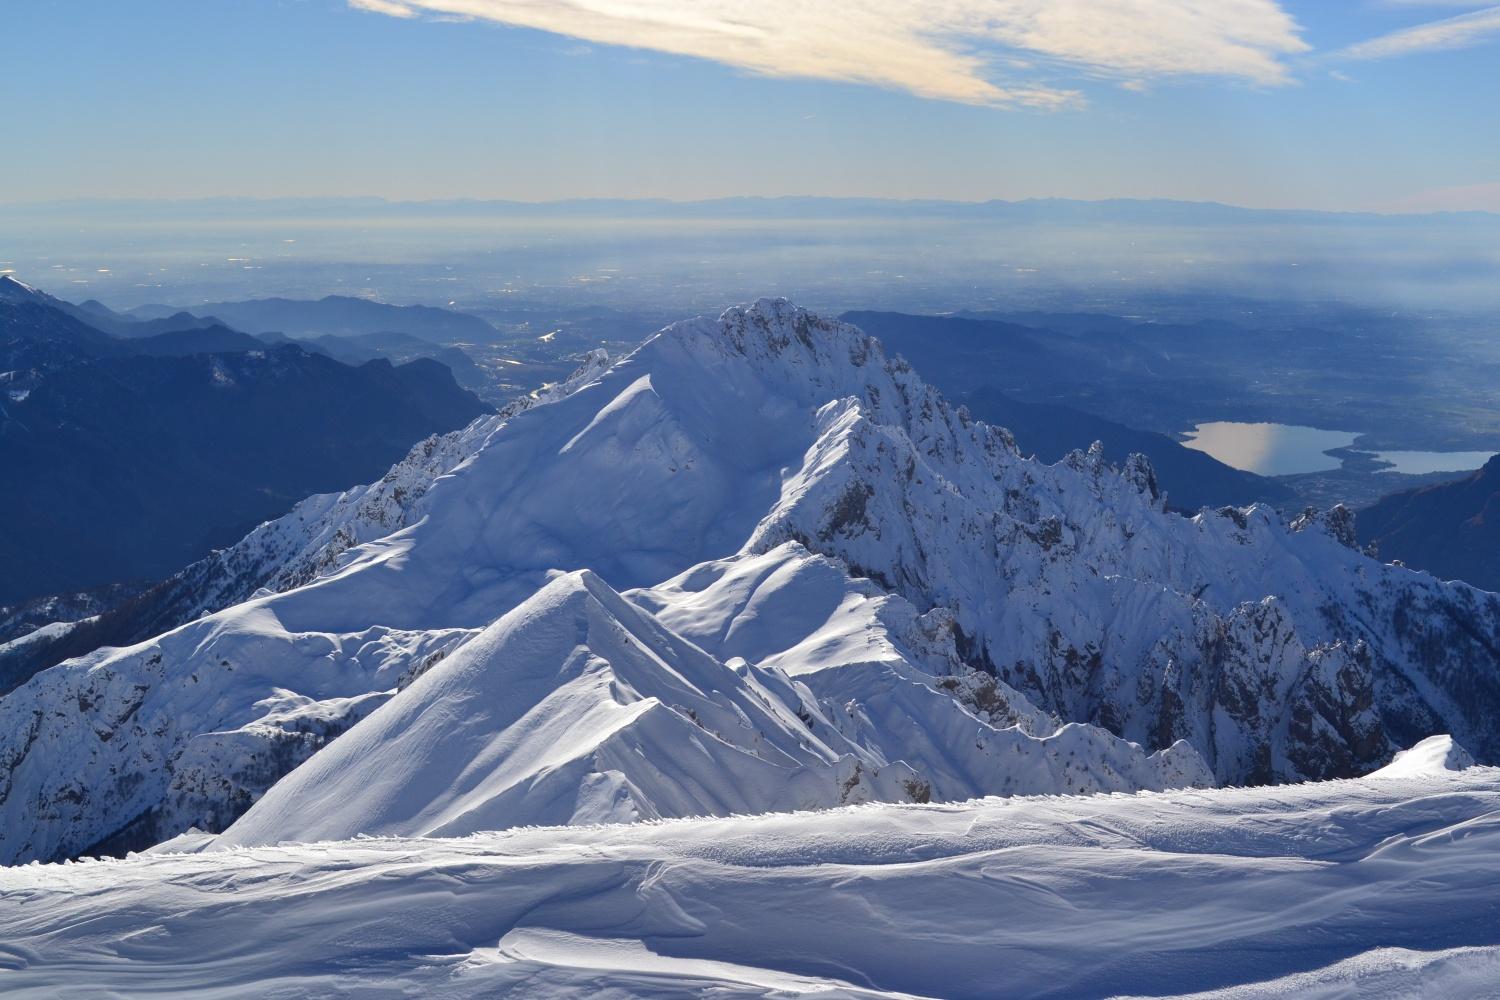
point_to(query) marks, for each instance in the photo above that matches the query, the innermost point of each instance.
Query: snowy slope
(1434, 754)
(293, 549)
(126, 747)
(767, 486)
(574, 707)
(579, 707)
(1381, 887)
(310, 539)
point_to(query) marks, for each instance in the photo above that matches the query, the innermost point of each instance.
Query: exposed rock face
(772, 490)
(1337, 521)
(1073, 586)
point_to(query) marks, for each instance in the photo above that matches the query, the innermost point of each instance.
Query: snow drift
(1376, 888)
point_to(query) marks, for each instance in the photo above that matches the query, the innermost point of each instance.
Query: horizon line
(577, 201)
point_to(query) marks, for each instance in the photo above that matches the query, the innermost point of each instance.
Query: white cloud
(1449, 33)
(943, 49)
(392, 7)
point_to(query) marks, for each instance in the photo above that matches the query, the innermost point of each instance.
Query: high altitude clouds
(1449, 33)
(943, 49)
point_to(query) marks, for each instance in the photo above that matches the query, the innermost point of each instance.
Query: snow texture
(1381, 888)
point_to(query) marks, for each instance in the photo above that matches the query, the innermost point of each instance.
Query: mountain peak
(13, 289)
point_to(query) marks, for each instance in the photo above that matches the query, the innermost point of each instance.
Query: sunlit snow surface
(1387, 886)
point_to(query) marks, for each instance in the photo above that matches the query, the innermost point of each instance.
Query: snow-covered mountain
(794, 576)
(579, 706)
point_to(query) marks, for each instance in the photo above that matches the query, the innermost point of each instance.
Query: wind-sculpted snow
(766, 487)
(1382, 887)
(1433, 755)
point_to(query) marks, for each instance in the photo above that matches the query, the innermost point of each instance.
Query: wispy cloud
(943, 49)
(1457, 32)
(391, 7)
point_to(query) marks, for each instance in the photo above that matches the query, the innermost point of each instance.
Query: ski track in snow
(1380, 887)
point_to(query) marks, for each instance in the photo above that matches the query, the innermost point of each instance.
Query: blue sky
(1363, 104)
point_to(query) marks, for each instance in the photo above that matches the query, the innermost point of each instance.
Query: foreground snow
(1385, 886)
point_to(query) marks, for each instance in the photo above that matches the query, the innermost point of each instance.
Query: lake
(1270, 449)
(1289, 450)
(1417, 463)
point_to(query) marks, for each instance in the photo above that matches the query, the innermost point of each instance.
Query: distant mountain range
(1160, 210)
(333, 315)
(356, 349)
(362, 331)
(1451, 529)
(127, 458)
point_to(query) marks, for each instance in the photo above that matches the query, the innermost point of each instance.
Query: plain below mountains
(1451, 529)
(126, 459)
